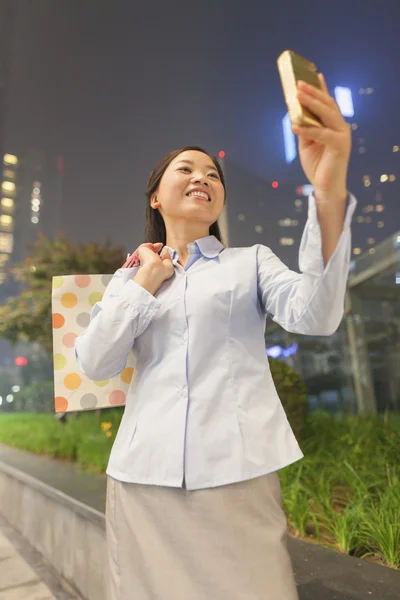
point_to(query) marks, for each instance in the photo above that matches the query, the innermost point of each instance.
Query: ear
(154, 203)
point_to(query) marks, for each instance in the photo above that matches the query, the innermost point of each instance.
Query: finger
(321, 135)
(328, 115)
(323, 83)
(321, 94)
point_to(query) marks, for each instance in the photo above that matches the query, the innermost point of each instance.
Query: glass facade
(358, 368)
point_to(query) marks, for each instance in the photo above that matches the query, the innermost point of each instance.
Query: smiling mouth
(199, 194)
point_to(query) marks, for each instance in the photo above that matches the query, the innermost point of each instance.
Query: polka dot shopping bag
(73, 298)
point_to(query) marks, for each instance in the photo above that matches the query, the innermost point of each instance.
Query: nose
(197, 178)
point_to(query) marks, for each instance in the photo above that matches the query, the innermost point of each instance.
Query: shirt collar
(209, 246)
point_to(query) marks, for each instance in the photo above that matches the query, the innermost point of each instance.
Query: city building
(374, 166)
(272, 213)
(31, 195)
(357, 369)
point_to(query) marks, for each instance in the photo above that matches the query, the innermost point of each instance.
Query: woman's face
(190, 189)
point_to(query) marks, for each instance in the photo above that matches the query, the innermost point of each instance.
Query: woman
(193, 503)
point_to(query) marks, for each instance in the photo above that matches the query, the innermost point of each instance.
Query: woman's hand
(154, 268)
(324, 151)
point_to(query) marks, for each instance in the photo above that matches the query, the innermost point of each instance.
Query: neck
(178, 237)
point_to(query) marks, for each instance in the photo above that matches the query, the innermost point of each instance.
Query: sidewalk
(23, 573)
(321, 573)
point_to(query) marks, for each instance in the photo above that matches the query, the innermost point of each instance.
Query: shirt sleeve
(124, 313)
(310, 302)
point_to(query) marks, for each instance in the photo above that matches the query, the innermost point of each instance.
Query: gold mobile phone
(292, 67)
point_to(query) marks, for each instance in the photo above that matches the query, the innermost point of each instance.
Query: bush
(292, 392)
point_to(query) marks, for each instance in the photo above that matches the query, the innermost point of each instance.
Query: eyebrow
(190, 162)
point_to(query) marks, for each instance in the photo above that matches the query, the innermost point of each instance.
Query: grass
(344, 494)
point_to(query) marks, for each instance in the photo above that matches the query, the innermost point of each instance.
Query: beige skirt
(224, 543)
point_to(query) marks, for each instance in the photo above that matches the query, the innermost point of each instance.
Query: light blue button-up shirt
(202, 406)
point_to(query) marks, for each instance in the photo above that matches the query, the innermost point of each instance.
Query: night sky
(114, 85)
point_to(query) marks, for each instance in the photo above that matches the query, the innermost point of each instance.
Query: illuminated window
(357, 251)
(9, 174)
(379, 208)
(6, 242)
(241, 217)
(8, 186)
(258, 228)
(396, 148)
(345, 101)
(10, 159)
(381, 224)
(392, 177)
(7, 203)
(384, 178)
(371, 241)
(6, 222)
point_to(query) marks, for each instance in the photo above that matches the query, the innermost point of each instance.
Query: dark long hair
(155, 226)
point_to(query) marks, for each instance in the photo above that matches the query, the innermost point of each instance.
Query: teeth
(202, 194)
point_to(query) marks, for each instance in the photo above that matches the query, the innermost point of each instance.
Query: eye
(184, 169)
(214, 175)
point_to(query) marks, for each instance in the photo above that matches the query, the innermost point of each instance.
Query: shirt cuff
(140, 300)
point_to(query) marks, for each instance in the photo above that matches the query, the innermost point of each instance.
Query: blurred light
(381, 224)
(396, 148)
(392, 177)
(379, 208)
(6, 220)
(21, 361)
(298, 203)
(354, 126)
(384, 178)
(305, 190)
(371, 250)
(1, 400)
(241, 217)
(345, 101)
(361, 150)
(10, 159)
(15, 388)
(35, 209)
(35, 220)
(36, 190)
(371, 241)
(258, 228)
(289, 139)
(7, 203)
(275, 184)
(221, 154)
(279, 351)
(357, 251)
(398, 278)
(360, 219)
(8, 186)
(10, 398)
